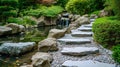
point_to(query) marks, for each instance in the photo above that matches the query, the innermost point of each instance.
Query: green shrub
(116, 53)
(114, 6)
(15, 20)
(23, 21)
(62, 3)
(84, 6)
(52, 11)
(107, 31)
(13, 3)
(28, 20)
(96, 12)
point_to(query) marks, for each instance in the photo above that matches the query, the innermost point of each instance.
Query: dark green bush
(107, 31)
(52, 11)
(113, 5)
(116, 53)
(84, 6)
(23, 21)
(62, 3)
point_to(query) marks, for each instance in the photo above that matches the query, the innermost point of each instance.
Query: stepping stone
(79, 51)
(81, 34)
(92, 20)
(87, 63)
(75, 41)
(84, 29)
(15, 49)
(89, 25)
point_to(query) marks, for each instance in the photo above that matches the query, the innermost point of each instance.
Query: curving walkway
(79, 50)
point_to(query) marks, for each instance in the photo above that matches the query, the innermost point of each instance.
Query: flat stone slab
(82, 34)
(87, 25)
(79, 51)
(84, 29)
(16, 48)
(87, 63)
(5, 30)
(75, 41)
(92, 20)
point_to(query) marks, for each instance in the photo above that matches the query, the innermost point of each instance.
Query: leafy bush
(23, 21)
(45, 11)
(15, 20)
(62, 3)
(28, 20)
(84, 6)
(13, 3)
(116, 53)
(96, 12)
(107, 31)
(52, 11)
(114, 6)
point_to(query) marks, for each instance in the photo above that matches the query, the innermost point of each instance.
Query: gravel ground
(104, 55)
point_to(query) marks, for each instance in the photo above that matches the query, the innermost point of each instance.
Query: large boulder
(76, 17)
(5, 30)
(49, 44)
(46, 21)
(16, 48)
(103, 13)
(16, 28)
(93, 16)
(41, 59)
(56, 33)
(72, 27)
(83, 20)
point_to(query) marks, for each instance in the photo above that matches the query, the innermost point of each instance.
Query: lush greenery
(24, 21)
(84, 6)
(62, 3)
(114, 6)
(107, 31)
(51, 11)
(13, 11)
(116, 53)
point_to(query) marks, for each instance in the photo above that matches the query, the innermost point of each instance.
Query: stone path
(79, 50)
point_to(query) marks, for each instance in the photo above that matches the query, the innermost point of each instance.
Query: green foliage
(24, 4)
(28, 20)
(96, 12)
(23, 21)
(84, 6)
(15, 20)
(13, 3)
(116, 53)
(107, 31)
(52, 11)
(113, 5)
(62, 3)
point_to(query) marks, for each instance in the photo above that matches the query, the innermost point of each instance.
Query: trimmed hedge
(84, 6)
(116, 53)
(107, 31)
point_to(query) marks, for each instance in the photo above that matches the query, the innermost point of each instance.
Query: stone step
(75, 41)
(81, 34)
(87, 63)
(92, 20)
(84, 29)
(88, 25)
(79, 51)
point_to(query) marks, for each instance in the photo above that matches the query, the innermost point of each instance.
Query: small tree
(8, 8)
